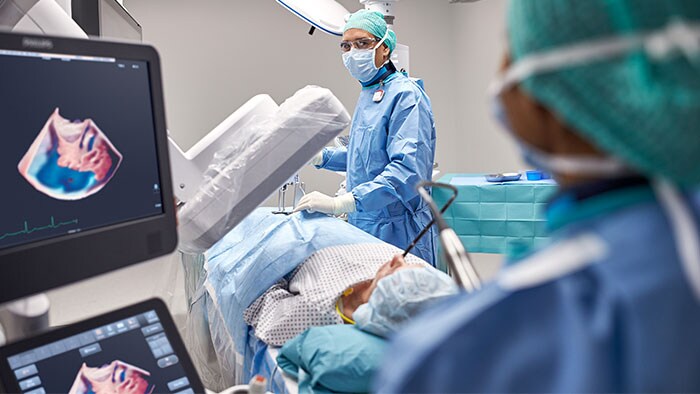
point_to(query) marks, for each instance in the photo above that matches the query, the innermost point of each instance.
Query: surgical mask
(677, 37)
(360, 62)
(558, 164)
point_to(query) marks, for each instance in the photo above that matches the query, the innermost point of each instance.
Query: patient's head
(397, 293)
(390, 267)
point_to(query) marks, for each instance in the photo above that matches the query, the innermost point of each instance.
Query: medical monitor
(83, 161)
(133, 350)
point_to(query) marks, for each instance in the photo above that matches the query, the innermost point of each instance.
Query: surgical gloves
(317, 160)
(319, 202)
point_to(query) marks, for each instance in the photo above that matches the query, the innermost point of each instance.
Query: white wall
(216, 54)
(480, 42)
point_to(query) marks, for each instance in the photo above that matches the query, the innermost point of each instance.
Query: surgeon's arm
(410, 145)
(335, 159)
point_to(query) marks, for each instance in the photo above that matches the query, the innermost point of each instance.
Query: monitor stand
(25, 317)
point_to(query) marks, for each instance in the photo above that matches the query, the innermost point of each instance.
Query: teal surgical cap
(400, 296)
(644, 110)
(372, 22)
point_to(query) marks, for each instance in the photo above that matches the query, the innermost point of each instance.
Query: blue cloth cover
(260, 251)
(392, 149)
(496, 217)
(626, 322)
(337, 358)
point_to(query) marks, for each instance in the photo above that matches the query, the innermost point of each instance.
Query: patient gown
(308, 297)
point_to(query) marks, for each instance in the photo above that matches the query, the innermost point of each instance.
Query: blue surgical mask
(360, 62)
(571, 165)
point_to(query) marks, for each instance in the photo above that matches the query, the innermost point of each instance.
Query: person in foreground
(606, 95)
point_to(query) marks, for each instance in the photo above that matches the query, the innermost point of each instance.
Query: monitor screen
(83, 161)
(137, 351)
(79, 150)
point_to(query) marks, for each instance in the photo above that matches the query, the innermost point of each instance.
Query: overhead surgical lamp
(325, 15)
(329, 16)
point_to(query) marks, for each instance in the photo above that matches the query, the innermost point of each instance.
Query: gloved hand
(319, 202)
(317, 160)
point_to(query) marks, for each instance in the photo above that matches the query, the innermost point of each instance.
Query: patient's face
(390, 267)
(363, 291)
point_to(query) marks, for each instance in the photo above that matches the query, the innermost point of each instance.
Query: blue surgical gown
(391, 149)
(612, 313)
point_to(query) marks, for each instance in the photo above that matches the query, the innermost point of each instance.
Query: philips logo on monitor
(37, 43)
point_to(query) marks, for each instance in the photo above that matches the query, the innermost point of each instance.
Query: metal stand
(25, 318)
(299, 192)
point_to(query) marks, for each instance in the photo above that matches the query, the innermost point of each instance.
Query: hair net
(642, 110)
(400, 297)
(372, 22)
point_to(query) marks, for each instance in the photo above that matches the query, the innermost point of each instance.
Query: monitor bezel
(166, 320)
(46, 264)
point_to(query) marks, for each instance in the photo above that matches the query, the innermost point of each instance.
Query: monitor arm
(39, 17)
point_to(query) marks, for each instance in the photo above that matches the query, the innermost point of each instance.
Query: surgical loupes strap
(685, 231)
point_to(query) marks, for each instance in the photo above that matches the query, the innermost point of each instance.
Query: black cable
(436, 218)
(457, 258)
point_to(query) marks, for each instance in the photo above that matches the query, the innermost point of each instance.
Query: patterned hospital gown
(308, 299)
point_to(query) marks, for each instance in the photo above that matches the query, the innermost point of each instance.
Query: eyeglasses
(362, 43)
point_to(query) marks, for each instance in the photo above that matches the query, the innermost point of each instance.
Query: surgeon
(392, 144)
(606, 95)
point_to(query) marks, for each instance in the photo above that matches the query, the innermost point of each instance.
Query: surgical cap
(400, 297)
(372, 22)
(642, 110)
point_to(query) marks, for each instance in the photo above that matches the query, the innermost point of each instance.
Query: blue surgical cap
(640, 109)
(372, 22)
(400, 297)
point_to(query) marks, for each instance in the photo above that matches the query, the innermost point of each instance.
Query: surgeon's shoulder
(408, 89)
(412, 347)
(469, 336)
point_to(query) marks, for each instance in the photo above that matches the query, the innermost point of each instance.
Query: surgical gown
(391, 149)
(606, 307)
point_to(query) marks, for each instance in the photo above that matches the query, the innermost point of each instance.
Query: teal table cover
(488, 217)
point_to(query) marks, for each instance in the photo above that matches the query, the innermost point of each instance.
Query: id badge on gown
(378, 96)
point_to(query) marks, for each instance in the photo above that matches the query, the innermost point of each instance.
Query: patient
(348, 284)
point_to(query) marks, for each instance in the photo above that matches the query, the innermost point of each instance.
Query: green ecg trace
(28, 230)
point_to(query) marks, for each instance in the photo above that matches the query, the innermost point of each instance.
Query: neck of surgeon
(384, 72)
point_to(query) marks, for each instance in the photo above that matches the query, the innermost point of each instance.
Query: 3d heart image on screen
(116, 377)
(70, 160)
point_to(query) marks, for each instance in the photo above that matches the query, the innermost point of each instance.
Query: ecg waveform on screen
(27, 230)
